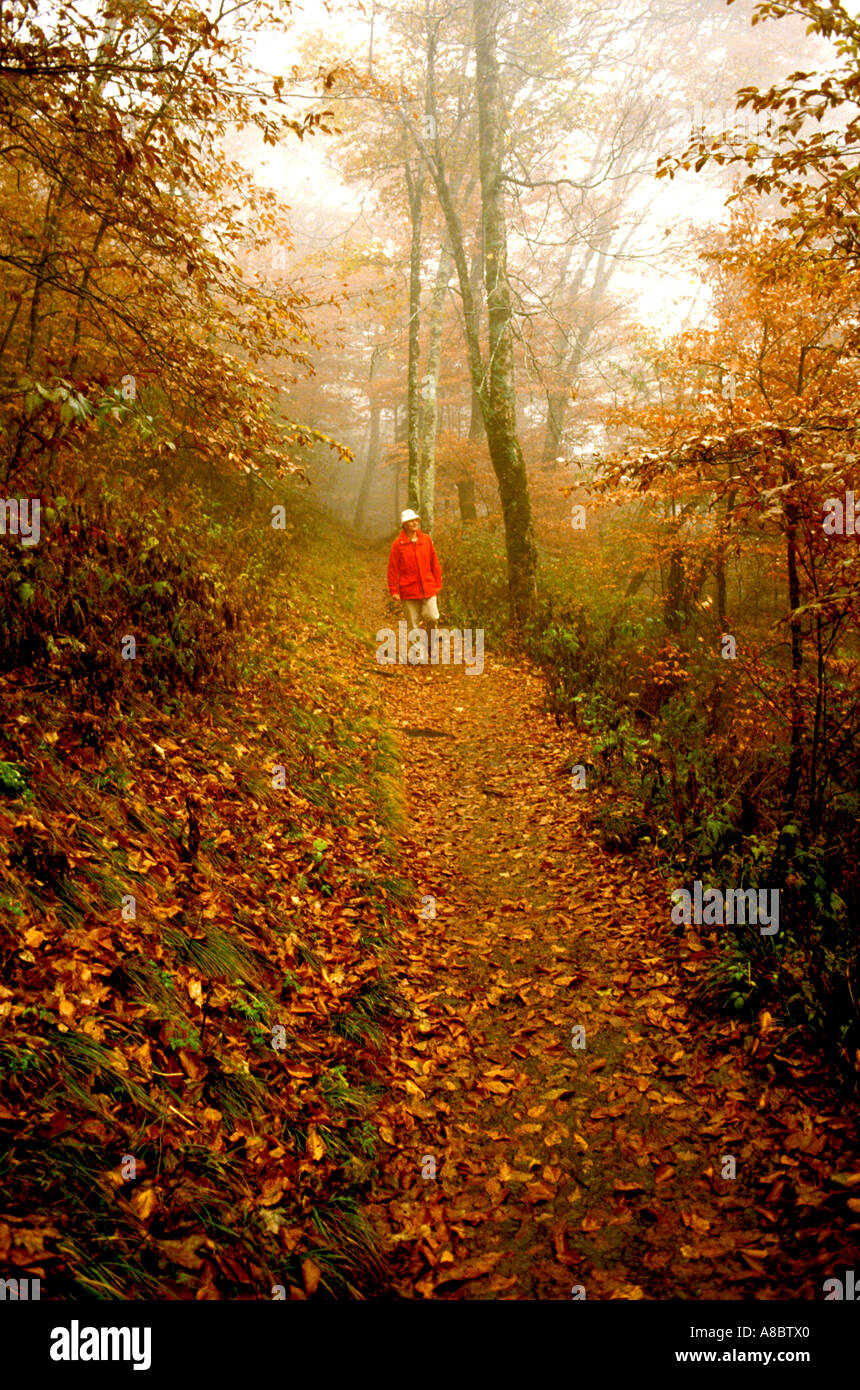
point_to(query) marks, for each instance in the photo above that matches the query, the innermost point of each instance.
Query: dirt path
(559, 1165)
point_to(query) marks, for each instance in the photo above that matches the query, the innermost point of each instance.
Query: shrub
(67, 603)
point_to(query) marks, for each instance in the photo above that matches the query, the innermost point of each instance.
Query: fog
(604, 256)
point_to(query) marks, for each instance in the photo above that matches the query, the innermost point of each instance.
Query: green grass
(216, 955)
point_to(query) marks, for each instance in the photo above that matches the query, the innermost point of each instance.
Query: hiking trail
(556, 1166)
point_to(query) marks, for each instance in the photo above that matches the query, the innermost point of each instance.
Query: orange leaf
(310, 1276)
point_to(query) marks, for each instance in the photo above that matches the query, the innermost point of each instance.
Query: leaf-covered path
(559, 1166)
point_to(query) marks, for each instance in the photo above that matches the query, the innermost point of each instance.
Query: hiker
(414, 575)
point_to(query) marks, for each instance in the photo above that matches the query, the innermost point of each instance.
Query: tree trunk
(494, 389)
(673, 598)
(466, 498)
(430, 411)
(476, 419)
(637, 580)
(556, 406)
(500, 411)
(415, 189)
(720, 575)
(53, 208)
(792, 783)
(558, 400)
(720, 563)
(476, 416)
(372, 455)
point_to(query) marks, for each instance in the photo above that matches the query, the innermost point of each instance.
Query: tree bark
(493, 384)
(372, 458)
(466, 499)
(792, 781)
(430, 411)
(476, 417)
(500, 410)
(415, 189)
(673, 598)
(556, 407)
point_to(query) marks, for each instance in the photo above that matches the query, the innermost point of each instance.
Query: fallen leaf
(311, 1274)
(471, 1269)
(315, 1148)
(144, 1200)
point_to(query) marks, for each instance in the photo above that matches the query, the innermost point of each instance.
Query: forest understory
(384, 1019)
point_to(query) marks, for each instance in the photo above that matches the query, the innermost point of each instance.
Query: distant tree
(123, 224)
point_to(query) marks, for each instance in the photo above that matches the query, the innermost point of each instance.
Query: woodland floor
(556, 1167)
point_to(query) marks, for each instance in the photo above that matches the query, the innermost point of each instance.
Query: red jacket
(413, 567)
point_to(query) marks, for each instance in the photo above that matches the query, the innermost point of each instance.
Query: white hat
(409, 515)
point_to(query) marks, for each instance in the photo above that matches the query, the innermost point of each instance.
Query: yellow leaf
(144, 1200)
(508, 1174)
(315, 1147)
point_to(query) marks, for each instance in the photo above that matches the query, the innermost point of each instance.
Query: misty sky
(665, 292)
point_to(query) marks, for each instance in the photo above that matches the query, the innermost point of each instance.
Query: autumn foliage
(322, 976)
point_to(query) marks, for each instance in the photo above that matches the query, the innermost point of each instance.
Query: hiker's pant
(420, 610)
